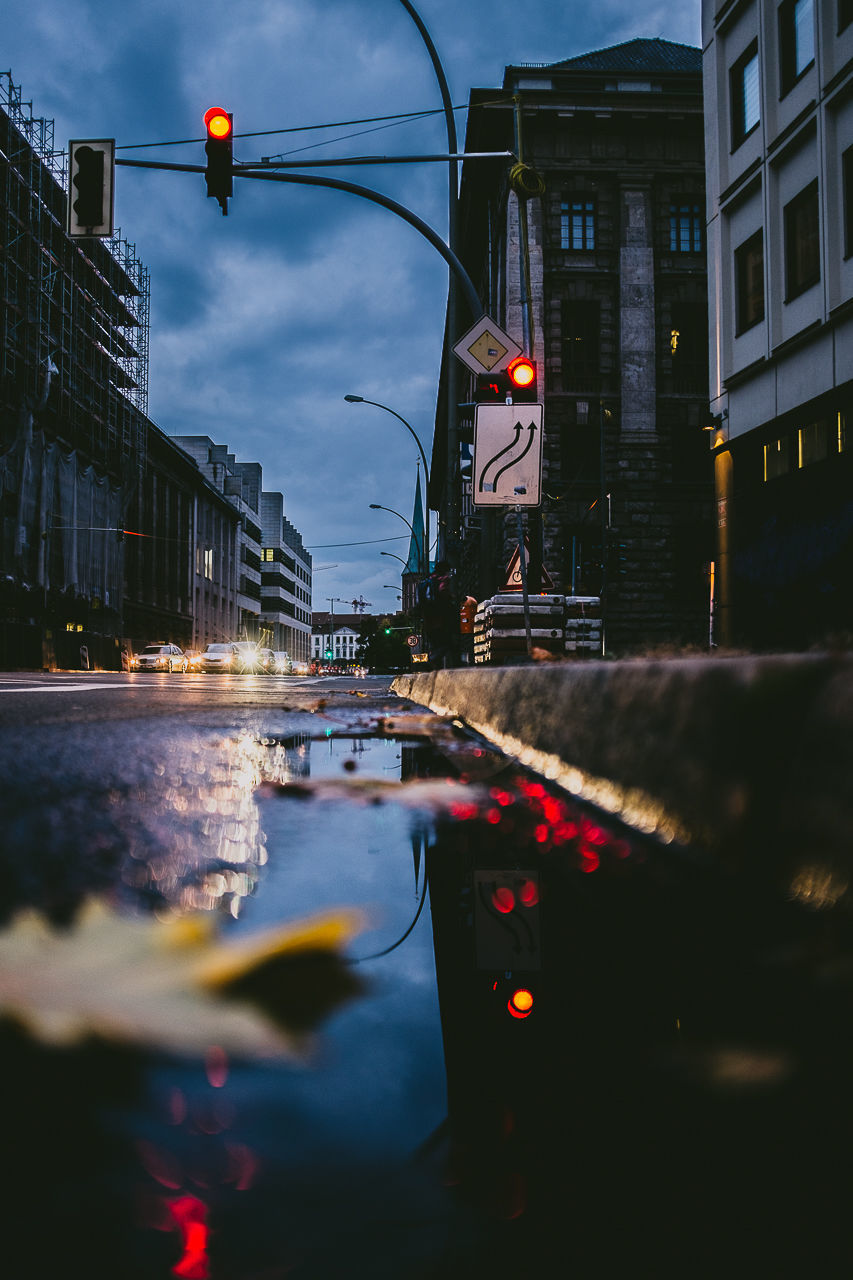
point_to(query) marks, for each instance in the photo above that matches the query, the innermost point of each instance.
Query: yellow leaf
(175, 987)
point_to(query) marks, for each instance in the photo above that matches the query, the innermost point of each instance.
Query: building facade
(336, 635)
(779, 128)
(285, 581)
(180, 554)
(591, 255)
(73, 400)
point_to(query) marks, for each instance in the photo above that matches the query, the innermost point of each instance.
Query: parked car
(266, 661)
(219, 657)
(282, 665)
(159, 657)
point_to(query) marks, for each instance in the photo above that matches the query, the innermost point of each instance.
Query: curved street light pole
(361, 400)
(451, 503)
(377, 506)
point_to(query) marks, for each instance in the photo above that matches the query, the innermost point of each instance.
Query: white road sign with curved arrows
(507, 468)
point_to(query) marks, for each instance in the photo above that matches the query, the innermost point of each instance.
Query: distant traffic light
(91, 165)
(220, 137)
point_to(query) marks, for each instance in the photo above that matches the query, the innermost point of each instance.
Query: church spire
(418, 551)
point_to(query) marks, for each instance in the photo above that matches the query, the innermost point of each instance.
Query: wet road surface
(553, 1047)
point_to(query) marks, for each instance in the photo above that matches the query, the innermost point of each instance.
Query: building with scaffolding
(74, 317)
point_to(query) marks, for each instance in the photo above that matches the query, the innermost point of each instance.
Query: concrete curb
(748, 758)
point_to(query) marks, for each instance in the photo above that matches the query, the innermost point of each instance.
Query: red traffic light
(522, 372)
(218, 123)
(520, 1003)
(219, 170)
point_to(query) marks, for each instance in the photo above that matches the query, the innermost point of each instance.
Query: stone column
(637, 314)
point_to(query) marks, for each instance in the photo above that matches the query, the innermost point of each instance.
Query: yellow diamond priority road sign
(486, 348)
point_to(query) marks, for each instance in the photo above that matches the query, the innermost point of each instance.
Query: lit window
(777, 458)
(577, 224)
(812, 443)
(802, 242)
(745, 96)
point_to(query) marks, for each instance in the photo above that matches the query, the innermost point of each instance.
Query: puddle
(558, 1039)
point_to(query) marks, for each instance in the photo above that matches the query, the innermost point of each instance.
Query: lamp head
(354, 399)
(374, 506)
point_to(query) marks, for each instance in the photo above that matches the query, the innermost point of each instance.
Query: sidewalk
(748, 758)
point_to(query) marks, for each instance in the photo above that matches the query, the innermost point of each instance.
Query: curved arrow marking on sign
(500, 454)
(531, 427)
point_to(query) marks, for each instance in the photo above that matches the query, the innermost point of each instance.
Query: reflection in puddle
(589, 1046)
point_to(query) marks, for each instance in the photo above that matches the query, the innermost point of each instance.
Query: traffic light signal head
(516, 382)
(218, 147)
(522, 377)
(90, 187)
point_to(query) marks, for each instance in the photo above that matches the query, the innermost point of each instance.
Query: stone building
(779, 140)
(591, 255)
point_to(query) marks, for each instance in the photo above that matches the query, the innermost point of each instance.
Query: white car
(218, 657)
(159, 657)
(282, 665)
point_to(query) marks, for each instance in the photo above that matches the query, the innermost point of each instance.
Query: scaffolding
(76, 310)
(74, 335)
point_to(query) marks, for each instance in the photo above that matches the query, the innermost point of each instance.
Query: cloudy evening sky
(262, 321)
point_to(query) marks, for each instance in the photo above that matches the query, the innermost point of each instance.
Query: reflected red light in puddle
(529, 893)
(216, 1066)
(464, 812)
(190, 1215)
(503, 899)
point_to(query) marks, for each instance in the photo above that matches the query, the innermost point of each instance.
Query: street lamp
(377, 506)
(361, 400)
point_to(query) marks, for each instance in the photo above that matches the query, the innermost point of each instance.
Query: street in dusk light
(262, 321)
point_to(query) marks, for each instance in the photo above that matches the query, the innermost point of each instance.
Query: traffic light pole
(338, 184)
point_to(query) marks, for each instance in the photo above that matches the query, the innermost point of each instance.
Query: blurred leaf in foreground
(176, 987)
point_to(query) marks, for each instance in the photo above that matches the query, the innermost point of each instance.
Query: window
(802, 242)
(687, 339)
(580, 343)
(268, 554)
(812, 443)
(796, 41)
(777, 459)
(744, 88)
(685, 227)
(577, 224)
(749, 282)
(847, 198)
(845, 14)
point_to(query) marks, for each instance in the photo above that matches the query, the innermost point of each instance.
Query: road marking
(60, 688)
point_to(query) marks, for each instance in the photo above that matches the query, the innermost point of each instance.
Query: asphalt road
(28, 698)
